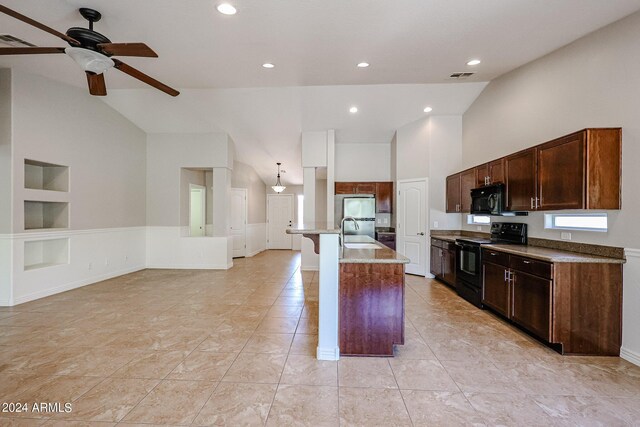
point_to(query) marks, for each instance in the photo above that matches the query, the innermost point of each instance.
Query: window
(300, 209)
(577, 221)
(479, 219)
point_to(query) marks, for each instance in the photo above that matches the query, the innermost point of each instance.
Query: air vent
(460, 76)
(9, 40)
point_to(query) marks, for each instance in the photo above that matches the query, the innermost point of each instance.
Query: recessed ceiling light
(363, 65)
(474, 62)
(268, 65)
(353, 109)
(226, 9)
(428, 109)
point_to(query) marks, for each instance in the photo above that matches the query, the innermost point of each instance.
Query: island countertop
(382, 255)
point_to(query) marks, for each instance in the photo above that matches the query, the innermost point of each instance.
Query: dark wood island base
(371, 313)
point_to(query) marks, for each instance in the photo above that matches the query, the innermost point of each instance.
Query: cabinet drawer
(449, 246)
(495, 257)
(437, 243)
(531, 266)
(386, 237)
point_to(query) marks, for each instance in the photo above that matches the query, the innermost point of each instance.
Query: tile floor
(237, 347)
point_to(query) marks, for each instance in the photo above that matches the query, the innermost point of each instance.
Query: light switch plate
(435, 224)
(565, 235)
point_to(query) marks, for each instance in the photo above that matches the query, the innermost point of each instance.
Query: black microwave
(488, 200)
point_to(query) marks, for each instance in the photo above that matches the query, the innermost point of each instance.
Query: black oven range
(469, 257)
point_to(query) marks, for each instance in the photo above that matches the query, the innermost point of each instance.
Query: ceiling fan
(91, 50)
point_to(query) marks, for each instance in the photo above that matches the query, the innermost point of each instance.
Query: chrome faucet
(346, 218)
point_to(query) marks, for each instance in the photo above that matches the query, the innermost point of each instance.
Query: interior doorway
(279, 218)
(197, 210)
(412, 224)
(239, 221)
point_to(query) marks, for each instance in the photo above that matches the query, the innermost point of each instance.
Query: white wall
(296, 190)
(362, 162)
(321, 200)
(56, 123)
(5, 151)
(593, 82)
(244, 176)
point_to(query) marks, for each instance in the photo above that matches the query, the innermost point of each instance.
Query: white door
(279, 218)
(239, 221)
(197, 212)
(411, 227)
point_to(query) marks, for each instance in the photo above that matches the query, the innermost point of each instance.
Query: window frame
(550, 221)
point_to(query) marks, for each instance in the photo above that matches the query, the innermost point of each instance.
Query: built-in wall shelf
(45, 253)
(39, 215)
(45, 176)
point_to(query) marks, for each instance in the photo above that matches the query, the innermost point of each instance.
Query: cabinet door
(345, 188)
(496, 171)
(561, 169)
(467, 183)
(496, 291)
(365, 188)
(453, 193)
(449, 266)
(521, 180)
(532, 303)
(384, 197)
(436, 261)
(482, 173)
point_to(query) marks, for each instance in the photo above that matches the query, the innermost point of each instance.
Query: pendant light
(278, 188)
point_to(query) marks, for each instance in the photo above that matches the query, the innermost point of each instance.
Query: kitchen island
(361, 295)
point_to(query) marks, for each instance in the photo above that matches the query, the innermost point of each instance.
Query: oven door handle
(460, 245)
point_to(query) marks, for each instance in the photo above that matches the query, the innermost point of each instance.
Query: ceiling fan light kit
(91, 50)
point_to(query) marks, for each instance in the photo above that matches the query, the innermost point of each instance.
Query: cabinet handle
(537, 203)
(526, 262)
(505, 275)
(493, 253)
(532, 203)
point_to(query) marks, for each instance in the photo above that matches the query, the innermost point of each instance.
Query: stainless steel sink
(361, 246)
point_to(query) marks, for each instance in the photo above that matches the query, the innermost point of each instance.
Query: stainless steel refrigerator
(363, 209)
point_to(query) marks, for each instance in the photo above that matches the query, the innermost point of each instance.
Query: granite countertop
(552, 255)
(313, 228)
(447, 237)
(383, 255)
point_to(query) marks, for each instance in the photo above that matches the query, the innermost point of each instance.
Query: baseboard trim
(74, 285)
(254, 253)
(5, 303)
(309, 268)
(630, 356)
(328, 353)
(189, 266)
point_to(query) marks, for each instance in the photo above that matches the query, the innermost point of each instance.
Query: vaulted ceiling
(412, 46)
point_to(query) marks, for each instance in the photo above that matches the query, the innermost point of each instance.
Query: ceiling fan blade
(37, 24)
(97, 86)
(29, 50)
(128, 49)
(144, 78)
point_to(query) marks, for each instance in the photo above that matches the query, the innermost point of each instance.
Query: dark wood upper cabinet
(345, 188)
(482, 175)
(520, 174)
(365, 188)
(561, 173)
(496, 171)
(453, 193)
(604, 168)
(384, 197)
(467, 183)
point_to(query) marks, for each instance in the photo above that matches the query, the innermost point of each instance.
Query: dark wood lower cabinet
(532, 303)
(443, 261)
(436, 261)
(449, 266)
(496, 291)
(371, 309)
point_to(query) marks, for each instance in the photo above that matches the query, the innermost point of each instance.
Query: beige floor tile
(278, 325)
(372, 407)
(308, 370)
(256, 368)
(12, 385)
(261, 342)
(440, 408)
(591, 410)
(203, 366)
(172, 402)
(365, 372)
(304, 344)
(300, 405)
(20, 422)
(422, 375)
(62, 423)
(110, 400)
(151, 364)
(225, 341)
(509, 410)
(237, 405)
(284, 311)
(481, 377)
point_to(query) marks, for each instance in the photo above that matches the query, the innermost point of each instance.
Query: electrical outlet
(436, 224)
(126, 258)
(565, 235)
(106, 261)
(478, 228)
(90, 266)
(386, 220)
